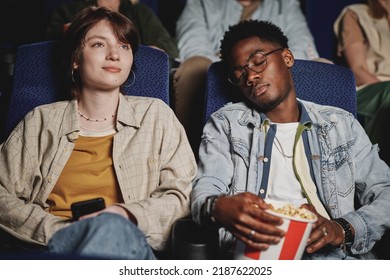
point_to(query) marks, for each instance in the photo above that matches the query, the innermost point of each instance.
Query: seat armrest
(190, 241)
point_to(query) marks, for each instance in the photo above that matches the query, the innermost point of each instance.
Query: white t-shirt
(283, 184)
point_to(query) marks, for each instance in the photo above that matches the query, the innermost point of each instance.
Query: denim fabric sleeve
(373, 191)
(215, 167)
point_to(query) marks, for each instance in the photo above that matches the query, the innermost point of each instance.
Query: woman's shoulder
(47, 112)
(360, 10)
(144, 100)
(349, 18)
(358, 7)
(146, 104)
(58, 105)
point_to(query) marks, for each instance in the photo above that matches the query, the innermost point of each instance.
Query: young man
(199, 31)
(277, 147)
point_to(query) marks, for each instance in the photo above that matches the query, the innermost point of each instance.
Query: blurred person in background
(150, 29)
(363, 32)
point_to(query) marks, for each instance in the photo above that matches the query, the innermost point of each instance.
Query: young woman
(131, 151)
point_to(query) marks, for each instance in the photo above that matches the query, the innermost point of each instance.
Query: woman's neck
(97, 112)
(98, 105)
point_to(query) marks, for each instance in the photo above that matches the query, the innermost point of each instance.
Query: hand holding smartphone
(85, 207)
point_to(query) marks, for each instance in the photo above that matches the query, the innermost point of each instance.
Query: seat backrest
(320, 16)
(39, 79)
(319, 82)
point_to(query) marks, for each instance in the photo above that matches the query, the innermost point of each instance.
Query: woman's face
(105, 62)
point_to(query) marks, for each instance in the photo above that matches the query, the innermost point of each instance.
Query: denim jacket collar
(261, 120)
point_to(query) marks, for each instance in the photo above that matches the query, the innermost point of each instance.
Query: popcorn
(293, 211)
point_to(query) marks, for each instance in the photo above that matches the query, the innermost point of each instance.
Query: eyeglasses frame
(247, 65)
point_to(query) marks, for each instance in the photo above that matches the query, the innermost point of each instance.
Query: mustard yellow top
(89, 173)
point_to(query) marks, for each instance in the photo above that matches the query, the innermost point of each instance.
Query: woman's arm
(354, 48)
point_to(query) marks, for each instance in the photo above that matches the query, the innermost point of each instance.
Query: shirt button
(262, 191)
(49, 179)
(120, 166)
(265, 159)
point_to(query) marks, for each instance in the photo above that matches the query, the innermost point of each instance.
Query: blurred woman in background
(363, 31)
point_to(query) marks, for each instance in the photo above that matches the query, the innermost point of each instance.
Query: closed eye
(258, 63)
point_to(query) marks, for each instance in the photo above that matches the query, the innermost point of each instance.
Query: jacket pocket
(240, 158)
(344, 170)
(240, 149)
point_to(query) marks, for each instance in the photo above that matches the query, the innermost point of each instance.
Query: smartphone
(85, 207)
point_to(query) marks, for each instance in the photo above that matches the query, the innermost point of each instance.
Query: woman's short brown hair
(74, 37)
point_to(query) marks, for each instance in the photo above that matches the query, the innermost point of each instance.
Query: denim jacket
(235, 153)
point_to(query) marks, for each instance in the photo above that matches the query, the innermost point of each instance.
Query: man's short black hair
(265, 30)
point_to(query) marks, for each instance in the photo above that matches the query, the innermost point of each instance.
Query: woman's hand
(244, 216)
(324, 232)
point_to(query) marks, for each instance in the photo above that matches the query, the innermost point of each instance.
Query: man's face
(270, 87)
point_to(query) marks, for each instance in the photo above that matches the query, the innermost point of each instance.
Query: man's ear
(288, 57)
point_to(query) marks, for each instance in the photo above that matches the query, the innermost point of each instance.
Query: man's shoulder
(235, 112)
(318, 112)
(232, 108)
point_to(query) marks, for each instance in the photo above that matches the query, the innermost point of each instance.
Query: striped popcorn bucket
(290, 247)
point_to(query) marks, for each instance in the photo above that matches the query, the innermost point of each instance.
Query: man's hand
(324, 232)
(244, 216)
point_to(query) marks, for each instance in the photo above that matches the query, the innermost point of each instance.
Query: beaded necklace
(94, 120)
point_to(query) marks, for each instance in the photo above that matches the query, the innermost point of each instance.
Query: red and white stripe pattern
(290, 247)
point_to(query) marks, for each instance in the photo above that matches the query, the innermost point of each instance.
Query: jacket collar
(70, 125)
(127, 113)
(259, 119)
(126, 116)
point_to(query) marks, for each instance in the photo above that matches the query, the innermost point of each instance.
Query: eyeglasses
(257, 62)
